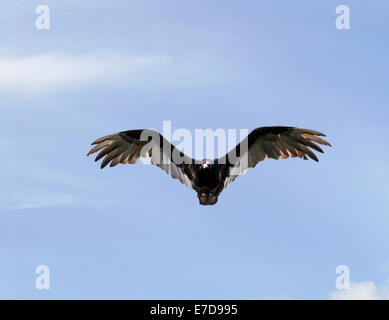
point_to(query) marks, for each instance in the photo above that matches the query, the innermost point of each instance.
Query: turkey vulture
(208, 177)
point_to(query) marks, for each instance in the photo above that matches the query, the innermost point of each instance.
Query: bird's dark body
(209, 182)
(210, 177)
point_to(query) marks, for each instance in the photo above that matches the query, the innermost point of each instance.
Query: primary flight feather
(208, 177)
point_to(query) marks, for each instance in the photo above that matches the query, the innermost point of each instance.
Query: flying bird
(208, 177)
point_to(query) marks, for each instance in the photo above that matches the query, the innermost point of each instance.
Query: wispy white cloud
(49, 71)
(55, 71)
(33, 199)
(31, 186)
(362, 291)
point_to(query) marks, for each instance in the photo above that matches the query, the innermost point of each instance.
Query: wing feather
(127, 146)
(274, 143)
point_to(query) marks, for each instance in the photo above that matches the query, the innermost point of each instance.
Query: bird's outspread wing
(128, 146)
(274, 143)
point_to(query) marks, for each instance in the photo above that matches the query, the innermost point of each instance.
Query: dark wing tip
(313, 132)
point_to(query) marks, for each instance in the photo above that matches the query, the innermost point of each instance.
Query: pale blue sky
(131, 232)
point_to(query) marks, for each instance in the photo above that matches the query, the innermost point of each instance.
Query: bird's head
(206, 164)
